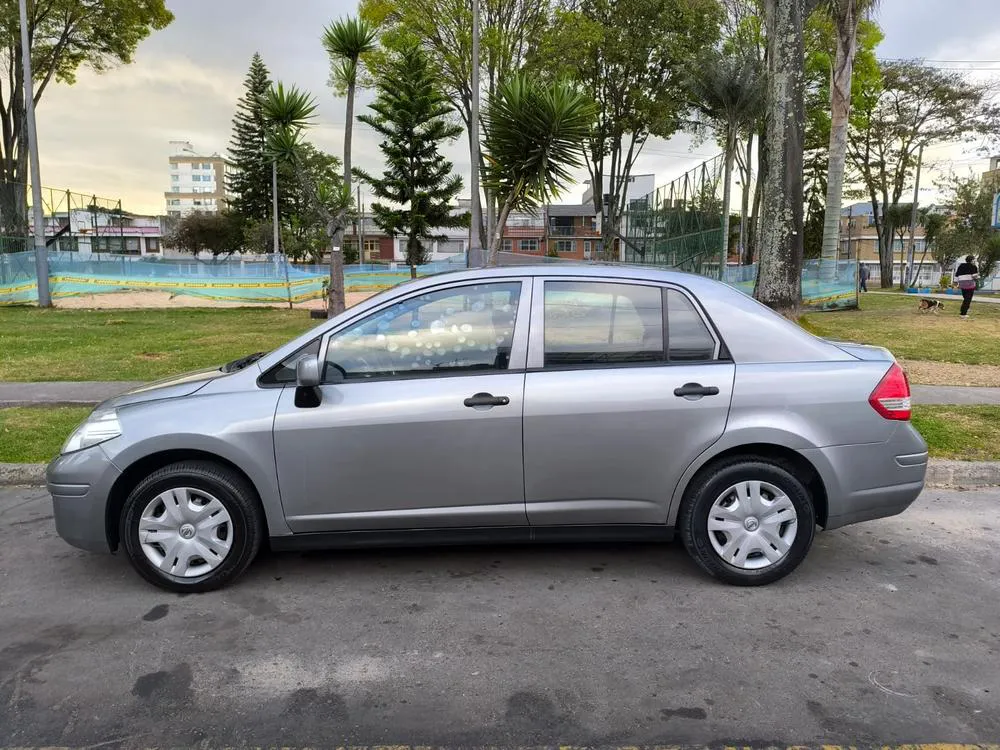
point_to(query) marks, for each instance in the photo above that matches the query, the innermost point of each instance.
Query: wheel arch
(142, 467)
(802, 467)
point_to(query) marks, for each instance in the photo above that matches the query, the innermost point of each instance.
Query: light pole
(475, 256)
(41, 255)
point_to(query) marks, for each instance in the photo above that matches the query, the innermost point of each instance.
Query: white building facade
(197, 182)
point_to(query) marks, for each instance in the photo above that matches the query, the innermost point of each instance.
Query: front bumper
(80, 484)
(874, 480)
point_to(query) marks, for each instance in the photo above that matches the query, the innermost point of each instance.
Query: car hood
(175, 387)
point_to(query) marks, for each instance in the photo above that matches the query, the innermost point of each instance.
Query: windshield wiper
(239, 364)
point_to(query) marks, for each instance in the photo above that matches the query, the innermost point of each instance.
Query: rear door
(626, 386)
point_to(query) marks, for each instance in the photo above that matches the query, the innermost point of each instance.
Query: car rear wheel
(748, 521)
(192, 526)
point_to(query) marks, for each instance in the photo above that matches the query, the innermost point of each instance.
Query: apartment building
(197, 181)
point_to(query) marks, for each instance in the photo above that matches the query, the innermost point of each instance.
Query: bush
(218, 234)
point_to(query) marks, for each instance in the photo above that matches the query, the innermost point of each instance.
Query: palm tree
(287, 113)
(534, 142)
(346, 41)
(728, 90)
(846, 14)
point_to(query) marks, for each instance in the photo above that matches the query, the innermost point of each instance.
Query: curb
(24, 474)
(963, 474)
(940, 474)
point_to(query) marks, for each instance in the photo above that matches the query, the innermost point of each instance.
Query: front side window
(597, 323)
(464, 329)
(285, 371)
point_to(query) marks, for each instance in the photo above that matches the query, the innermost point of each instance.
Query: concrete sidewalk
(84, 393)
(65, 394)
(954, 394)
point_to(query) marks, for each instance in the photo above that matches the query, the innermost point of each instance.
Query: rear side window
(689, 339)
(598, 323)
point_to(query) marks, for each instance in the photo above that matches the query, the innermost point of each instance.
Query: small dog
(931, 305)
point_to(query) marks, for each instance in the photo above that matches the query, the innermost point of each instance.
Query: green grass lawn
(148, 344)
(894, 322)
(34, 434)
(966, 433)
(135, 344)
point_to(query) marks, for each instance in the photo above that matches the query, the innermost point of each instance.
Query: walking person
(863, 278)
(966, 276)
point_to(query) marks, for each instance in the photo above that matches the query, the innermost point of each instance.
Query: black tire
(231, 489)
(715, 479)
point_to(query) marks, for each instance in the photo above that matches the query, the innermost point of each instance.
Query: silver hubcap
(752, 525)
(185, 532)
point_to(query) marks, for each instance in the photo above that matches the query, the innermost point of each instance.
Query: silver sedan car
(503, 405)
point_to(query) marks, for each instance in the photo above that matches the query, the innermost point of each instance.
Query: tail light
(891, 397)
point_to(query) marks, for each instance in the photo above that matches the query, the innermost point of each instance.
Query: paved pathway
(954, 394)
(69, 393)
(83, 393)
(887, 633)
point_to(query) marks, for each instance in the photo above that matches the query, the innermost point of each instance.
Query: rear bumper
(869, 481)
(80, 484)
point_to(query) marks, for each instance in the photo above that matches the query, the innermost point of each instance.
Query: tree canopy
(65, 35)
(250, 182)
(631, 56)
(416, 190)
(218, 234)
(909, 106)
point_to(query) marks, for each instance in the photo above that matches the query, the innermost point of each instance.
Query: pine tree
(250, 183)
(411, 113)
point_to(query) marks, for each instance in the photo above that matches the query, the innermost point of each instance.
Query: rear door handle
(486, 399)
(695, 390)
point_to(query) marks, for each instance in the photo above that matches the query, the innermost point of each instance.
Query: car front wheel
(192, 526)
(748, 521)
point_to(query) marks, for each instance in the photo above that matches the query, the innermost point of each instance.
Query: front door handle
(486, 399)
(695, 390)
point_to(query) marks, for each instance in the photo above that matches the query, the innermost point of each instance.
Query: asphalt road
(890, 632)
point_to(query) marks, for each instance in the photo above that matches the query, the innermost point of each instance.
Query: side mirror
(307, 372)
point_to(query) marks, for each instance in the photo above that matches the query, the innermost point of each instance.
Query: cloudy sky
(108, 134)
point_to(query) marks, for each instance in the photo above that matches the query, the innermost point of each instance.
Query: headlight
(97, 428)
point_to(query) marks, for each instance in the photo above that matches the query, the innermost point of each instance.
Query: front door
(625, 389)
(419, 421)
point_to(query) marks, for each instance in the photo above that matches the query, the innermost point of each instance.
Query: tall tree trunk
(496, 237)
(727, 197)
(747, 179)
(779, 276)
(336, 301)
(753, 236)
(846, 22)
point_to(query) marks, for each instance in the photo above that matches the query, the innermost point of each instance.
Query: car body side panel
(865, 482)
(398, 453)
(235, 426)
(820, 410)
(824, 403)
(79, 483)
(607, 445)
